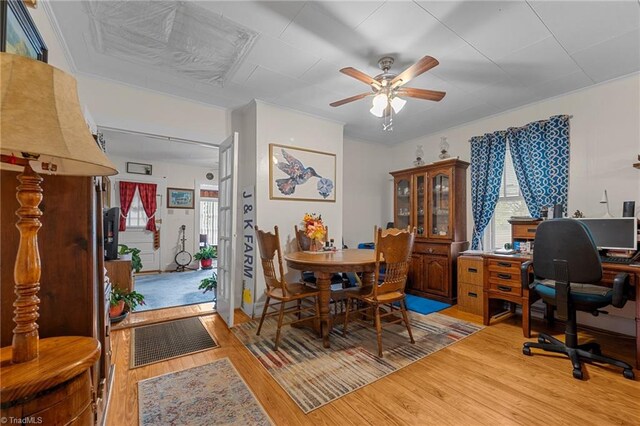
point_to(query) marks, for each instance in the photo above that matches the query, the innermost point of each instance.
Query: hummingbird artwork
(299, 175)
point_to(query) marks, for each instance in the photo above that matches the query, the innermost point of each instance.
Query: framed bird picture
(301, 174)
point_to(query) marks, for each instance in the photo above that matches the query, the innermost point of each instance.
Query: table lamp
(42, 130)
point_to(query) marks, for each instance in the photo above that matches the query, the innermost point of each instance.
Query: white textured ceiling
(494, 55)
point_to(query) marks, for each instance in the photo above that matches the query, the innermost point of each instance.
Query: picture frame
(18, 32)
(180, 198)
(301, 174)
(139, 168)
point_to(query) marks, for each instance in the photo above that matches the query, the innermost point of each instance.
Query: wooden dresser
(74, 300)
(432, 198)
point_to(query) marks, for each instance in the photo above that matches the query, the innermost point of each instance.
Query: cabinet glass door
(403, 202)
(421, 204)
(440, 212)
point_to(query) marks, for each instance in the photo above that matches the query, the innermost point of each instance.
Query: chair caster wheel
(628, 374)
(577, 374)
(526, 351)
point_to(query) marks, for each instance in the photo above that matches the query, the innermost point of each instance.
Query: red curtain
(127, 189)
(148, 197)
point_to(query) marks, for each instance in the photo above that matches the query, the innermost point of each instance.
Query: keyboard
(618, 260)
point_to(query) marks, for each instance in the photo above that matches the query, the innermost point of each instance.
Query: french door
(227, 225)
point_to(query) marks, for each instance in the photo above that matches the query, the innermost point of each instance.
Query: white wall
(165, 175)
(264, 124)
(367, 190)
(125, 107)
(605, 141)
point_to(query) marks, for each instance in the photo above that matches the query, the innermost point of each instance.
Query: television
(619, 233)
(111, 223)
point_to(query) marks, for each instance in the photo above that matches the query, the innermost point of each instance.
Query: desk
(502, 282)
(324, 265)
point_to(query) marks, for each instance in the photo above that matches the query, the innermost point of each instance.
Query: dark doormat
(171, 339)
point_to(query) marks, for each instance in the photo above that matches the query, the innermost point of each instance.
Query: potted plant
(209, 284)
(206, 256)
(130, 253)
(119, 299)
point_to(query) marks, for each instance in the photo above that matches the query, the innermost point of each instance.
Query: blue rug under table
(424, 306)
(172, 289)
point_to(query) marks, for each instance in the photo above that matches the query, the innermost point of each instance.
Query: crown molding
(46, 6)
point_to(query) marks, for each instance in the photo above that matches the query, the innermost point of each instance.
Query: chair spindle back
(393, 247)
(269, 245)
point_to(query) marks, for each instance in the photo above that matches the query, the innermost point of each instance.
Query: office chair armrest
(525, 273)
(620, 289)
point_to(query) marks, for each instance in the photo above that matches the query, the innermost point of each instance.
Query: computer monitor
(619, 233)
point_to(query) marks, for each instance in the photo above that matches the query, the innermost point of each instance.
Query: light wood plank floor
(483, 379)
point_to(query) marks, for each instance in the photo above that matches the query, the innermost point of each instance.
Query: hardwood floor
(158, 315)
(483, 379)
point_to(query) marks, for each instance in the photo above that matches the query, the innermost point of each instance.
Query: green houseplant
(136, 262)
(209, 284)
(118, 299)
(206, 256)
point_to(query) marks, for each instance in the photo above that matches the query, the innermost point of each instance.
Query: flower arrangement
(313, 226)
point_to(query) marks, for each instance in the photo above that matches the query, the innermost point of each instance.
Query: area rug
(424, 306)
(170, 339)
(172, 289)
(313, 375)
(212, 394)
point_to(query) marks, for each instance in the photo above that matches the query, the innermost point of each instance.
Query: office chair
(566, 271)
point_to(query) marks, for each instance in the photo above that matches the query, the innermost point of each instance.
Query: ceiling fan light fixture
(397, 104)
(380, 103)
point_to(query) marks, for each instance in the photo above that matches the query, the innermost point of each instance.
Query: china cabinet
(432, 198)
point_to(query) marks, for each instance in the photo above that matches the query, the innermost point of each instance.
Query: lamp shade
(40, 115)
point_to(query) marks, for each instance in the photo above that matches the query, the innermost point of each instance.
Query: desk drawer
(506, 288)
(427, 248)
(524, 231)
(470, 298)
(470, 270)
(505, 266)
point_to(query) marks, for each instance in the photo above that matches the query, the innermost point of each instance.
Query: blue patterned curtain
(540, 153)
(487, 163)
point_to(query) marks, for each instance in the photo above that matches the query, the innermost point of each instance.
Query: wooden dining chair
(393, 249)
(279, 290)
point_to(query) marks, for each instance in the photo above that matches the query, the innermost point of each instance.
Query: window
(209, 220)
(510, 203)
(137, 218)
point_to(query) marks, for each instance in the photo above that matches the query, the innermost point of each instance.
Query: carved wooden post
(27, 268)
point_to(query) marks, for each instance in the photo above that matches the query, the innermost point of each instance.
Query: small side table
(54, 388)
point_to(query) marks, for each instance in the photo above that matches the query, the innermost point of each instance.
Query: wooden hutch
(432, 198)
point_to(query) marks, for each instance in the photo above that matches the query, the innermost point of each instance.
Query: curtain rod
(156, 136)
(519, 127)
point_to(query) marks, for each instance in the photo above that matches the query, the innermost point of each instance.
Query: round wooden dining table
(324, 265)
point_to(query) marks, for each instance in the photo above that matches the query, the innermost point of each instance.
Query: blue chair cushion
(584, 296)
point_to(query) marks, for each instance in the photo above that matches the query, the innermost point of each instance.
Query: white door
(227, 191)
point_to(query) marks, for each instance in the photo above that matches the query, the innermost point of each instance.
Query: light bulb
(397, 104)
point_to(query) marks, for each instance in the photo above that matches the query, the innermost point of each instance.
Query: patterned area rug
(314, 376)
(212, 394)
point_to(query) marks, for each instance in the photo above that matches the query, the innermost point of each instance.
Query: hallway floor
(172, 289)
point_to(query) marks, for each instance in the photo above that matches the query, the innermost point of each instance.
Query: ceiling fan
(387, 88)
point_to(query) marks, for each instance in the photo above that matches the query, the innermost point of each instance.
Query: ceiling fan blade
(359, 75)
(423, 65)
(429, 95)
(351, 99)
